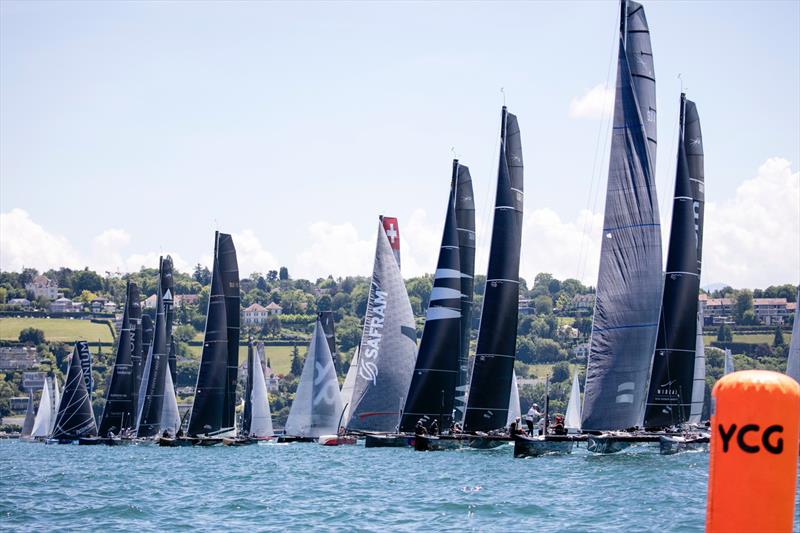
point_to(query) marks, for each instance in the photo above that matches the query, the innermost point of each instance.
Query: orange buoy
(755, 431)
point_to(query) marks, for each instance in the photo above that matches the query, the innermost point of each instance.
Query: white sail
(42, 424)
(728, 362)
(261, 422)
(793, 362)
(572, 420)
(143, 385)
(347, 387)
(699, 383)
(170, 418)
(514, 410)
(56, 404)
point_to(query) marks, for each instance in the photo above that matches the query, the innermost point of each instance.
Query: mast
(120, 407)
(629, 284)
(465, 220)
(75, 418)
(317, 404)
(152, 403)
(214, 406)
(490, 385)
(388, 344)
(670, 395)
(793, 360)
(433, 385)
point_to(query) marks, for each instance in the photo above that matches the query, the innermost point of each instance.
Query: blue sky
(129, 129)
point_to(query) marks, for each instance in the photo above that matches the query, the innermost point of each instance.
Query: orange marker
(755, 427)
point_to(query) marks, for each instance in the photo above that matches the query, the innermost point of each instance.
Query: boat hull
(673, 445)
(538, 446)
(601, 444)
(289, 438)
(389, 441)
(337, 440)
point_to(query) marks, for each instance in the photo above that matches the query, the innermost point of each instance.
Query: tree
(543, 304)
(185, 333)
(284, 274)
(297, 363)
(87, 296)
(201, 275)
(743, 303)
(272, 276)
(86, 280)
(560, 372)
(271, 326)
(778, 341)
(31, 336)
(725, 333)
(584, 325)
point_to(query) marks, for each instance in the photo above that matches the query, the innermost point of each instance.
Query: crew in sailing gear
(558, 426)
(533, 417)
(434, 427)
(420, 428)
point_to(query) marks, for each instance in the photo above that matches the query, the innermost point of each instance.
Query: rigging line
(670, 179)
(600, 155)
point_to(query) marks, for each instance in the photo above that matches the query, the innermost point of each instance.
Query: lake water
(350, 488)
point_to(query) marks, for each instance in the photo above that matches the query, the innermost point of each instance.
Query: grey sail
(669, 398)
(388, 347)
(119, 412)
(793, 361)
(152, 403)
(213, 411)
(493, 367)
(433, 385)
(629, 284)
(75, 418)
(465, 220)
(699, 382)
(328, 326)
(30, 415)
(317, 404)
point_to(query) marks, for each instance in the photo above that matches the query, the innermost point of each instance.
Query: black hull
(429, 443)
(239, 441)
(389, 441)
(288, 438)
(538, 446)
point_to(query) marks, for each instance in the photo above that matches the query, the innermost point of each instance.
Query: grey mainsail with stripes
(490, 384)
(388, 347)
(433, 385)
(75, 418)
(465, 220)
(669, 398)
(629, 284)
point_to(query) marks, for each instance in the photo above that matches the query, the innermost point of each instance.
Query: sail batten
(491, 381)
(629, 285)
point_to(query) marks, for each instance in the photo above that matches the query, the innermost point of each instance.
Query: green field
(280, 357)
(56, 329)
(758, 338)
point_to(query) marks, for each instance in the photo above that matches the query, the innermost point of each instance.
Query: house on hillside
(258, 314)
(99, 304)
(64, 305)
(771, 310)
(17, 358)
(20, 302)
(186, 299)
(42, 286)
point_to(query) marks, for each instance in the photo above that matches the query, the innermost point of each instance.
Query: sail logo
(327, 394)
(696, 211)
(373, 330)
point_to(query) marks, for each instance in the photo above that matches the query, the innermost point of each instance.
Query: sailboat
(629, 285)
(167, 289)
(493, 367)
(388, 343)
(317, 407)
(536, 445)
(214, 410)
(514, 409)
(669, 399)
(75, 419)
(465, 222)
(151, 389)
(119, 413)
(43, 422)
(140, 355)
(256, 417)
(572, 419)
(27, 423)
(432, 392)
(793, 360)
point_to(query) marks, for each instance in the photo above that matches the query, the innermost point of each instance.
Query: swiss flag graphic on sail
(392, 230)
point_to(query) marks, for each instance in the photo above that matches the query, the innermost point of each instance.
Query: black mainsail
(120, 409)
(388, 346)
(629, 284)
(465, 220)
(214, 405)
(670, 396)
(167, 288)
(433, 385)
(490, 385)
(146, 329)
(151, 391)
(247, 395)
(75, 418)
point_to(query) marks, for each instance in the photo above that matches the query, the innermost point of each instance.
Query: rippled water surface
(307, 486)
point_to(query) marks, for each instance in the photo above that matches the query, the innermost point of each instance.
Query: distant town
(42, 314)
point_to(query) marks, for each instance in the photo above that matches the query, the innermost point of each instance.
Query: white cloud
(753, 239)
(251, 254)
(595, 103)
(24, 243)
(334, 249)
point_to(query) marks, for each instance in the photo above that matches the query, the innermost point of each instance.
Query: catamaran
(629, 285)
